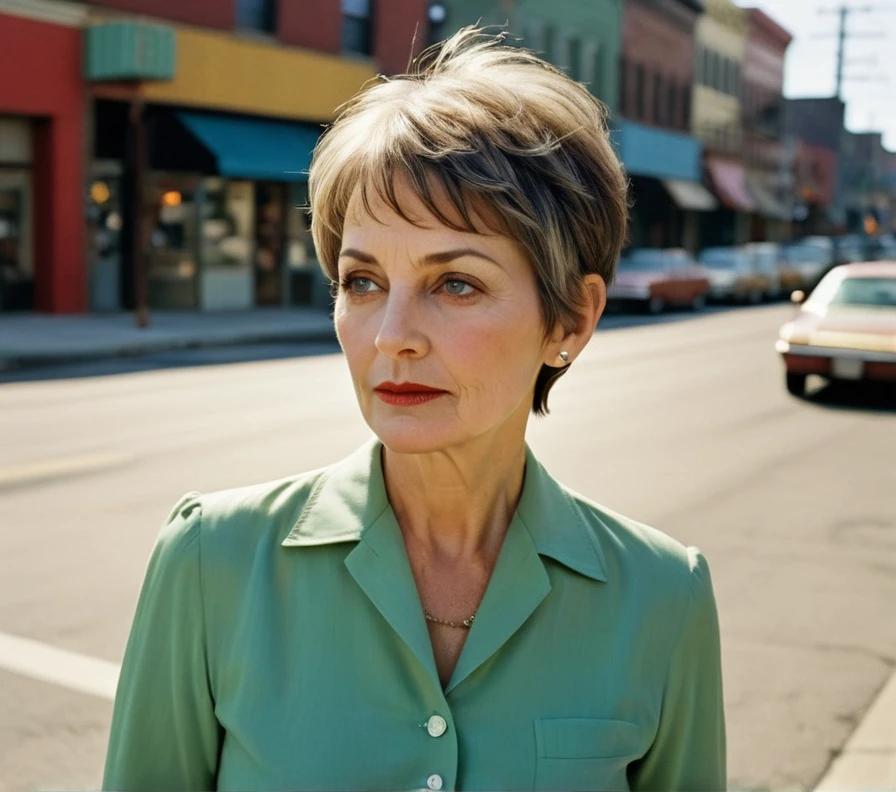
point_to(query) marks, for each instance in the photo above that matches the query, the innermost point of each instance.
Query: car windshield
(720, 259)
(866, 291)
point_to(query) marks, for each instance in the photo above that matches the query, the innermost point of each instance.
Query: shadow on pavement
(178, 358)
(875, 397)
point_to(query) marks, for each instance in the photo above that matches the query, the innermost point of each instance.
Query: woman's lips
(407, 398)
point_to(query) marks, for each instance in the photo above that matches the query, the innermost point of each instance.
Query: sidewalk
(34, 339)
(868, 760)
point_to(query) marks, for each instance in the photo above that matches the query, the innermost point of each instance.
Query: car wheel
(656, 305)
(796, 384)
(698, 303)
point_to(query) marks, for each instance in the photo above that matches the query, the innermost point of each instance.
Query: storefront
(730, 223)
(225, 225)
(16, 215)
(667, 196)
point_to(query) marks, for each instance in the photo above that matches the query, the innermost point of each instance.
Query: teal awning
(248, 148)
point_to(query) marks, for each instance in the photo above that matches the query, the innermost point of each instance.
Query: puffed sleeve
(164, 734)
(688, 752)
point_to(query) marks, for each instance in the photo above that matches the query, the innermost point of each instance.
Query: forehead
(379, 212)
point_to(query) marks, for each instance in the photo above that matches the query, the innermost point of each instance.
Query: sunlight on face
(449, 310)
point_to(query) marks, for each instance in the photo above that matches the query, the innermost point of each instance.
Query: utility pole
(844, 12)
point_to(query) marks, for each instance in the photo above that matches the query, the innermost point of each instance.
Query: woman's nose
(400, 333)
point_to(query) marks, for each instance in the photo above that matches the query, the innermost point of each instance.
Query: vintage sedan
(733, 275)
(846, 330)
(655, 278)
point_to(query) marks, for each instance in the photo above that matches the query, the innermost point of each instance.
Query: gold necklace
(464, 625)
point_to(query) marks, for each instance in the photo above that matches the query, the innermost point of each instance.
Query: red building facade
(657, 69)
(41, 182)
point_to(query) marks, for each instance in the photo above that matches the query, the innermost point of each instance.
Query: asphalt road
(681, 422)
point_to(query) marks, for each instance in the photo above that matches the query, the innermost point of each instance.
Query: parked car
(733, 275)
(656, 278)
(767, 260)
(805, 262)
(884, 248)
(846, 330)
(850, 249)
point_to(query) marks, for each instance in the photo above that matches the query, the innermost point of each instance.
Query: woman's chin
(412, 436)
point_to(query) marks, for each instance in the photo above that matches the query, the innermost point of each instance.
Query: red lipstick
(406, 394)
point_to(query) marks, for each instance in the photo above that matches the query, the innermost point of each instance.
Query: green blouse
(279, 644)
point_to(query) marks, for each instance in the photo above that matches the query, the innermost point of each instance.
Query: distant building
(652, 129)
(814, 130)
(867, 183)
(768, 158)
(717, 121)
(583, 38)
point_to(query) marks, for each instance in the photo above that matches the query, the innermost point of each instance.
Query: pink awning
(729, 181)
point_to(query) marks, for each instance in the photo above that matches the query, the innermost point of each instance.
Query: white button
(436, 726)
(434, 781)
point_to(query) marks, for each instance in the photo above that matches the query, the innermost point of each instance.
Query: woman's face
(452, 311)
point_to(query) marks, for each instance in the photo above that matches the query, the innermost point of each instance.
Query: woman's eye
(359, 285)
(458, 288)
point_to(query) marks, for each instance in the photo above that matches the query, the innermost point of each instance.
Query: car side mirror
(798, 297)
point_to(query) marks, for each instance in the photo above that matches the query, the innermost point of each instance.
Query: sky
(811, 57)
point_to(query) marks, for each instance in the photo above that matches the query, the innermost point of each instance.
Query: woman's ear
(572, 340)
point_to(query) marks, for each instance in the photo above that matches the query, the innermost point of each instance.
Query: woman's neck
(456, 504)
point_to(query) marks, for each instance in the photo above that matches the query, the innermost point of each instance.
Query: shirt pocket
(577, 754)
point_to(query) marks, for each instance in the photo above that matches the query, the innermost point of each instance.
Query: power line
(844, 12)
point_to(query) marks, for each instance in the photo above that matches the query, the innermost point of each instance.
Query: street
(680, 421)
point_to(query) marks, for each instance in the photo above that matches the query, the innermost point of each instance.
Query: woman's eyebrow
(442, 257)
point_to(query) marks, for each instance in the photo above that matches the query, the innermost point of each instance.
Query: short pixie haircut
(501, 134)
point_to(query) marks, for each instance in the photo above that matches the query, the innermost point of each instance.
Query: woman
(435, 611)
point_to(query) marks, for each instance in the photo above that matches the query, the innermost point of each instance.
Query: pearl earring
(564, 356)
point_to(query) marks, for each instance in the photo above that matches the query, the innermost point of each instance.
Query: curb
(136, 349)
(868, 760)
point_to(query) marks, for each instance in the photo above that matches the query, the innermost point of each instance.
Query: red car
(655, 279)
(846, 330)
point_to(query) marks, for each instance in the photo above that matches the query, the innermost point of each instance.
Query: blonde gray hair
(505, 136)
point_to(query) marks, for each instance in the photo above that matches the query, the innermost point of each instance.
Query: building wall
(657, 66)
(205, 13)
(584, 38)
(50, 92)
(716, 111)
(316, 24)
(225, 72)
(400, 32)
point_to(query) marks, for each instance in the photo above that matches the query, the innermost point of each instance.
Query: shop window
(227, 215)
(16, 271)
(357, 27)
(623, 86)
(574, 57)
(640, 91)
(173, 243)
(550, 43)
(672, 105)
(598, 87)
(657, 98)
(256, 15)
(307, 284)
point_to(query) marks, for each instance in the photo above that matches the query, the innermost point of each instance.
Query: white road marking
(13, 475)
(59, 666)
